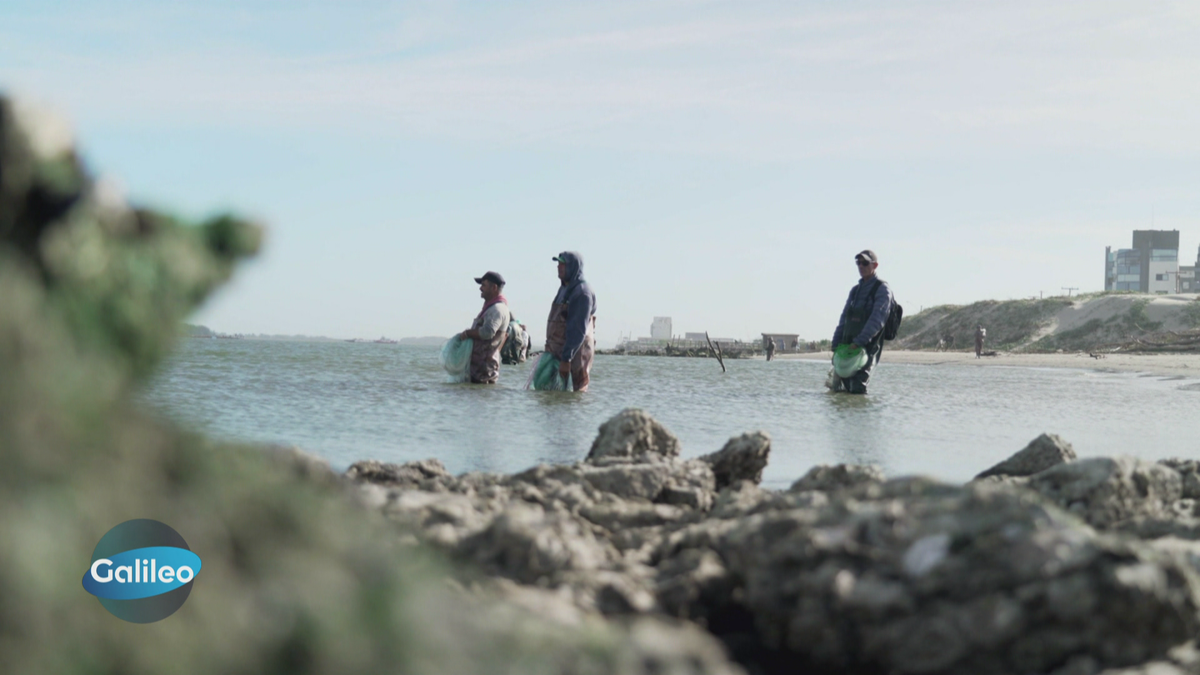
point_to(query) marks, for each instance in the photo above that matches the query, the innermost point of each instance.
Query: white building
(661, 328)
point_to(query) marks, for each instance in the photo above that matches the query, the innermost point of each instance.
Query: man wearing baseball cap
(862, 320)
(489, 330)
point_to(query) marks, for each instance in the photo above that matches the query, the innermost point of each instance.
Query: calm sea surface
(351, 401)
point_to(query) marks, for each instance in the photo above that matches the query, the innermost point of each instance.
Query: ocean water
(352, 401)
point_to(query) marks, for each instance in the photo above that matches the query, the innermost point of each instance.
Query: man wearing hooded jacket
(571, 328)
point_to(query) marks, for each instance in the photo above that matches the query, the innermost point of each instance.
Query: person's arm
(579, 312)
(878, 316)
(492, 319)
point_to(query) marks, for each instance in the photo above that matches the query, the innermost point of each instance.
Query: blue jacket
(878, 313)
(581, 304)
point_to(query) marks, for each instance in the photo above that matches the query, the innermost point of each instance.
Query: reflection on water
(853, 428)
(350, 401)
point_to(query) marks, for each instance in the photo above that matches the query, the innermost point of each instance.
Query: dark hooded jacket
(581, 303)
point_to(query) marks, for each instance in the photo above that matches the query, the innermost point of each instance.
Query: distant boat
(385, 341)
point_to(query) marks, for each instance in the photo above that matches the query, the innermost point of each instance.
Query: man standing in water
(489, 330)
(980, 336)
(862, 320)
(571, 328)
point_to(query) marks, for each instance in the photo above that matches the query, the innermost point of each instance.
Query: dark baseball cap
(867, 255)
(493, 277)
(560, 258)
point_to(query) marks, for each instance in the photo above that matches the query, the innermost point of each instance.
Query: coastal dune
(1093, 322)
(1107, 332)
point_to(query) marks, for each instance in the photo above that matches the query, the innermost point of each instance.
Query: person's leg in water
(857, 383)
(581, 364)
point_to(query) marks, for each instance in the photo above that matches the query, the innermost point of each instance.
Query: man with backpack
(863, 320)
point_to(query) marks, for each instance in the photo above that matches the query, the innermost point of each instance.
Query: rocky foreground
(1043, 564)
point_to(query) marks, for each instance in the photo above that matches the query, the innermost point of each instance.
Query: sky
(716, 162)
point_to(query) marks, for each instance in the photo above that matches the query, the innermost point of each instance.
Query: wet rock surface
(1108, 491)
(1074, 567)
(834, 478)
(1042, 453)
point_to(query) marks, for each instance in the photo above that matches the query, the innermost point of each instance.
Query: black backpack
(895, 315)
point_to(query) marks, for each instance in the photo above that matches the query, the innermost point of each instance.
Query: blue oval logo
(142, 571)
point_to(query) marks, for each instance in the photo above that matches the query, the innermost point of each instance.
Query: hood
(574, 263)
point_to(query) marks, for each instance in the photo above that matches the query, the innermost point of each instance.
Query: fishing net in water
(545, 377)
(456, 359)
(847, 360)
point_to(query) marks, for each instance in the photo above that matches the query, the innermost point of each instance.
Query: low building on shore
(785, 343)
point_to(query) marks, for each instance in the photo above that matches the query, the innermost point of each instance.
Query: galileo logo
(141, 571)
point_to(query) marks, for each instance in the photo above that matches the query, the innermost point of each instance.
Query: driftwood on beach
(1161, 342)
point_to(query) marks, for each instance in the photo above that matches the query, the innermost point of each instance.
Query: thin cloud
(815, 82)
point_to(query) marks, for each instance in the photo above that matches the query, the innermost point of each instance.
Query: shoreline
(1167, 365)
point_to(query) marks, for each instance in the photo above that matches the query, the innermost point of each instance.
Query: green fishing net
(545, 377)
(848, 360)
(456, 358)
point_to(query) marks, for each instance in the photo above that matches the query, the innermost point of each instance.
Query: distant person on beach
(980, 336)
(862, 320)
(489, 330)
(770, 348)
(571, 328)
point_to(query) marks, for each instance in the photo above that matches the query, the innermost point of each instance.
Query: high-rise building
(1150, 266)
(1122, 269)
(660, 329)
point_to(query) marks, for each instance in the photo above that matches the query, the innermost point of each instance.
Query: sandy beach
(1187, 365)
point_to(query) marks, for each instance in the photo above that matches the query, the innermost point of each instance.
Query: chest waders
(856, 320)
(556, 339)
(485, 354)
